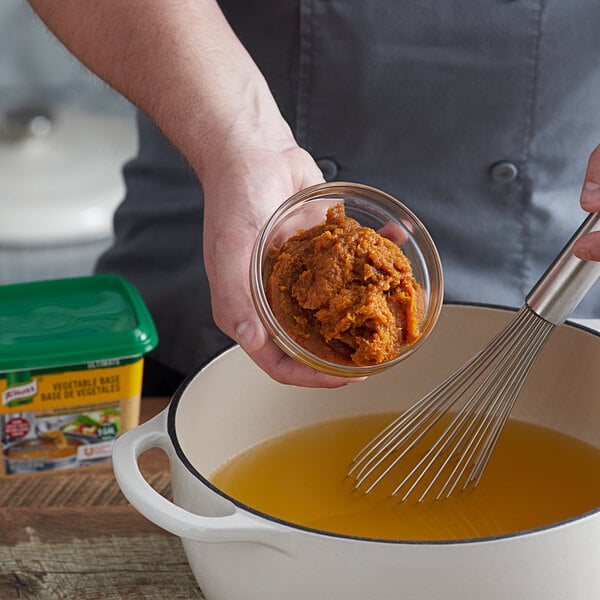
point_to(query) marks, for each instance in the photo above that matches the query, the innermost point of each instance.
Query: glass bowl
(371, 208)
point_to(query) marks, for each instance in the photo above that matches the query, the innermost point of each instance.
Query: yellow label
(72, 388)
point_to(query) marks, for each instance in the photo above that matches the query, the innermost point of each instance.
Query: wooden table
(73, 535)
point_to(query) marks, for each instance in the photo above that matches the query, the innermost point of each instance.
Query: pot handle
(235, 527)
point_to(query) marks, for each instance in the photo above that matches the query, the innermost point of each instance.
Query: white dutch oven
(237, 553)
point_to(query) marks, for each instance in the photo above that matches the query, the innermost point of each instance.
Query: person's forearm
(179, 61)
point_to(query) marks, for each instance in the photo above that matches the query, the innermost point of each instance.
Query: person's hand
(588, 246)
(183, 65)
(247, 180)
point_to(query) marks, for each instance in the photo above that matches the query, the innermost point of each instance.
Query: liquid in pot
(536, 477)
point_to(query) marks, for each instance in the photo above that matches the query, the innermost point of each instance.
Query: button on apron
(503, 172)
(328, 167)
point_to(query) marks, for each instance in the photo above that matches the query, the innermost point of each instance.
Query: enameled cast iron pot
(237, 553)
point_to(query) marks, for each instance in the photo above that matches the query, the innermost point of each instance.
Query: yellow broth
(535, 477)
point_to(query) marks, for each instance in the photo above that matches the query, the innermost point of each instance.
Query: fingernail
(590, 194)
(245, 333)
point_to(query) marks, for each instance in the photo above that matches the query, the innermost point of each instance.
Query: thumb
(590, 194)
(587, 247)
(232, 304)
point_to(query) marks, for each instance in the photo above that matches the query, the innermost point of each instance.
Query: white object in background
(62, 185)
(61, 182)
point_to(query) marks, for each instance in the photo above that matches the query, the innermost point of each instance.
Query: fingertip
(582, 252)
(590, 196)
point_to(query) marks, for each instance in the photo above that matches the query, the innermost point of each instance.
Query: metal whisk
(484, 389)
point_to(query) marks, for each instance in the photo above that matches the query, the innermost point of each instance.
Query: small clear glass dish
(371, 208)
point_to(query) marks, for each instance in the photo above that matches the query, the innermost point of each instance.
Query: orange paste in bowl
(344, 292)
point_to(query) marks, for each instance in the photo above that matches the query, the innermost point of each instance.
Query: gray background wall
(35, 66)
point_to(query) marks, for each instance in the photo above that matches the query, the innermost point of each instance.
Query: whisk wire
(488, 385)
(485, 454)
(428, 410)
(473, 416)
(498, 400)
(402, 432)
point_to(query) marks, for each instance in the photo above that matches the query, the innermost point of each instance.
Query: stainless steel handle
(568, 279)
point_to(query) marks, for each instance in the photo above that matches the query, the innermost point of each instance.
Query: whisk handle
(568, 279)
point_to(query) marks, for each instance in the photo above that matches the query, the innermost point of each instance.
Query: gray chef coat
(480, 116)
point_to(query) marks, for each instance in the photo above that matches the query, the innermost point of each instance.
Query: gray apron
(479, 116)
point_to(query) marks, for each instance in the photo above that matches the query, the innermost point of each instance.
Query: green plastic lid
(72, 321)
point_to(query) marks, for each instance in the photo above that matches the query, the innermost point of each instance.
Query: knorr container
(71, 364)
